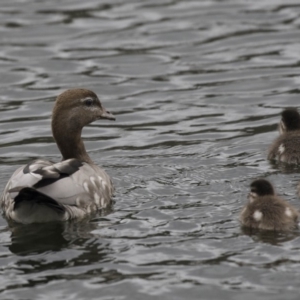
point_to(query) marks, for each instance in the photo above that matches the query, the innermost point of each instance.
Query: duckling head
(260, 187)
(290, 120)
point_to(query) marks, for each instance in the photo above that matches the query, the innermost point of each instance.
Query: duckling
(265, 210)
(43, 191)
(286, 148)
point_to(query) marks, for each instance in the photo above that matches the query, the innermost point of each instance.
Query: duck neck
(69, 142)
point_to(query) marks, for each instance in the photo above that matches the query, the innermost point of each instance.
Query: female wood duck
(43, 191)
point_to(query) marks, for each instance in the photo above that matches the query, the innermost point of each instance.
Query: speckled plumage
(286, 148)
(265, 210)
(44, 191)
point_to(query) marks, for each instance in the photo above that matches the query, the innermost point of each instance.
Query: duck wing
(30, 194)
(79, 185)
(70, 182)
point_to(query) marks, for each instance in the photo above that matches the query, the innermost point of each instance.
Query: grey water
(197, 88)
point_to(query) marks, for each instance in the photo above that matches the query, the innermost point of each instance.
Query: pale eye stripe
(87, 98)
(252, 196)
(282, 127)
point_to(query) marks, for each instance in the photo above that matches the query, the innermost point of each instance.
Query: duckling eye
(88, 102)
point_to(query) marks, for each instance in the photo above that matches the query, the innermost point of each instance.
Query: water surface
(197, 88)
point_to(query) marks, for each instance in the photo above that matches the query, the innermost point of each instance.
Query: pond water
(197, 88)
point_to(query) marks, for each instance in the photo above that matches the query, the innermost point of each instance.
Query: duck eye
(88, 102)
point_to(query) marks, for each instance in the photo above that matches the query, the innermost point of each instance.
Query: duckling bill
(43, 191)
(286, 148)
(265, 210)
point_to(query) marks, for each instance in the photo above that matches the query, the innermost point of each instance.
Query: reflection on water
(34, 239)
(271, 237)
(197, 88)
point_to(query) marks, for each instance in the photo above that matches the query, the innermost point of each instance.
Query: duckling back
(269, 213)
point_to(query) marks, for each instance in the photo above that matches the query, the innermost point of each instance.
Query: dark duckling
(286, 148)
(265, 210)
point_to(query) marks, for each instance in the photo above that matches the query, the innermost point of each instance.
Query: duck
(44, 191)
(286, 148)
(266, 211)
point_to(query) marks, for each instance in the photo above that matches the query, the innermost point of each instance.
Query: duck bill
(107, 115)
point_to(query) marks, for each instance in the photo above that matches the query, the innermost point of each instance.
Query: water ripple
(197, 88)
